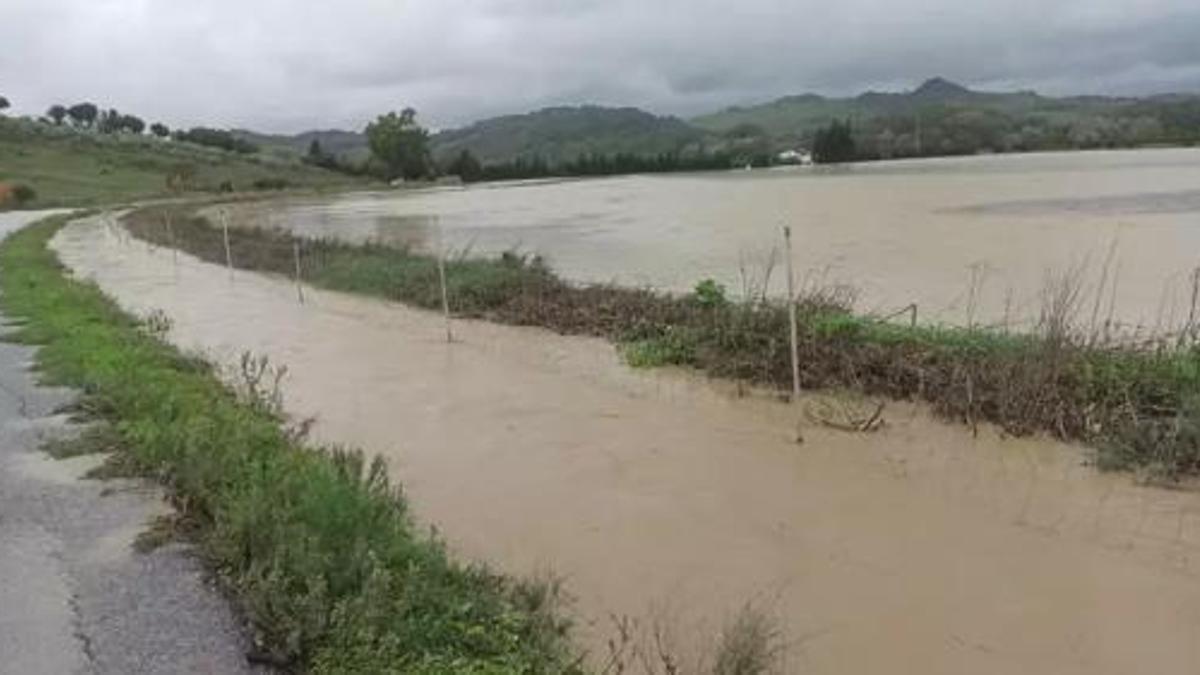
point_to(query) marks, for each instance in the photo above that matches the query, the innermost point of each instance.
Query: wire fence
(1080, 301)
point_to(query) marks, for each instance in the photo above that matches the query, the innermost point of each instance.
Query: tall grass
(1132, 400)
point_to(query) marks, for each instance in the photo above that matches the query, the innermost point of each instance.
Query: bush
(709, 293)
(216, 138)
(23, 194)
(271, 184)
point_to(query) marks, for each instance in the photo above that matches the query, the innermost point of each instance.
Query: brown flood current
(967, 239)
(919, 549)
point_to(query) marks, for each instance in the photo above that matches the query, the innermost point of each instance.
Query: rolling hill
(70, 167)
(346, 145)
(941, 117)
(563, 133)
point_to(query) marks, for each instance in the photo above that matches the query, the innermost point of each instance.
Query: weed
(749, 645)
(708, 293)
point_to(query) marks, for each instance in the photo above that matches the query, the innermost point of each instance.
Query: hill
(939, 117)
(562, 134)
(350, 146)
(66, 166)
(942, 117)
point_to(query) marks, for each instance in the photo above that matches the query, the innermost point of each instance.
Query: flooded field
(922, 548)
(964, 238)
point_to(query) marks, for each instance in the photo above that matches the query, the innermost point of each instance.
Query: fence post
(171, 241)
(225, 233)
(791, 303)
(442, 279)
(296, 256)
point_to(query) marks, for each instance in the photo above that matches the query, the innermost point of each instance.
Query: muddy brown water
(967, 239)
(919, 549)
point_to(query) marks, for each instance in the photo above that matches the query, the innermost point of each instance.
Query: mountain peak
(940, 87)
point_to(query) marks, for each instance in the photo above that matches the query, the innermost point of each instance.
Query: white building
(801, 157)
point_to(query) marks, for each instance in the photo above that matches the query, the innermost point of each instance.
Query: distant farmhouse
(800, 156)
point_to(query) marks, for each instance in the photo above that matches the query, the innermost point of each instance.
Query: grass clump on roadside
(1131, 400)
(315, 543)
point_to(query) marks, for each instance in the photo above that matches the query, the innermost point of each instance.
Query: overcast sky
(290, 65)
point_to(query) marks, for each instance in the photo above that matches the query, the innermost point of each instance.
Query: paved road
(74, 596)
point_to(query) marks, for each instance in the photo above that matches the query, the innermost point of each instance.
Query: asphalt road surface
(75, 597)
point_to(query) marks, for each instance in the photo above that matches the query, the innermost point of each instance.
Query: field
(68, 167)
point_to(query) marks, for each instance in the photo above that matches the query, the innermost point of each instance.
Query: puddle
(921, 548)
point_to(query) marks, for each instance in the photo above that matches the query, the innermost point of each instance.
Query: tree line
(951, 129)
(399, 148)
(89, 116)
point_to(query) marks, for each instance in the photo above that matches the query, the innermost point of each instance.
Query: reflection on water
(920, 549)
(901, 232)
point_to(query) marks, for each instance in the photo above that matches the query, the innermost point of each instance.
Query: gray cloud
(285, 65)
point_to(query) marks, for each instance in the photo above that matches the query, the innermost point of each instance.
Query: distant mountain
(563, 133)
(939, 117)
(347, 145)
(942, 117)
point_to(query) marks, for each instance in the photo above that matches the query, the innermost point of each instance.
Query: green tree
(159, 129)
(466, 167)
(400, 144)
(834, 144)
(83, 114)
(133, 124)
(57, 113)
(4, 104)
(110, 121)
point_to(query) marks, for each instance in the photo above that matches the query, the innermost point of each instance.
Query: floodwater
(967, 239)
(919, 549)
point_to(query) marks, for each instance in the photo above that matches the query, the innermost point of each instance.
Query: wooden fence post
(791, 302)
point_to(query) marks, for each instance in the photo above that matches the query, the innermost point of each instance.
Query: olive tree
(57, 113)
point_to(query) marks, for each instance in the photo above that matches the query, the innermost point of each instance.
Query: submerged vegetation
(1139, 404)
(315, 544)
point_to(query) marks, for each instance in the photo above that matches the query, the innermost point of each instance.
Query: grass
(315, 544)
(68, 167)
(1138, 404)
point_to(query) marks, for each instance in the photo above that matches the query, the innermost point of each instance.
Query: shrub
(709, 293)
(271, 184)
(23, 194)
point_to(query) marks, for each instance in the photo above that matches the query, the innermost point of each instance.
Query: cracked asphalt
(74, 595)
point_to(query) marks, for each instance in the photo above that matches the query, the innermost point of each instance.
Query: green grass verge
(1137, 404)
(315, 544)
